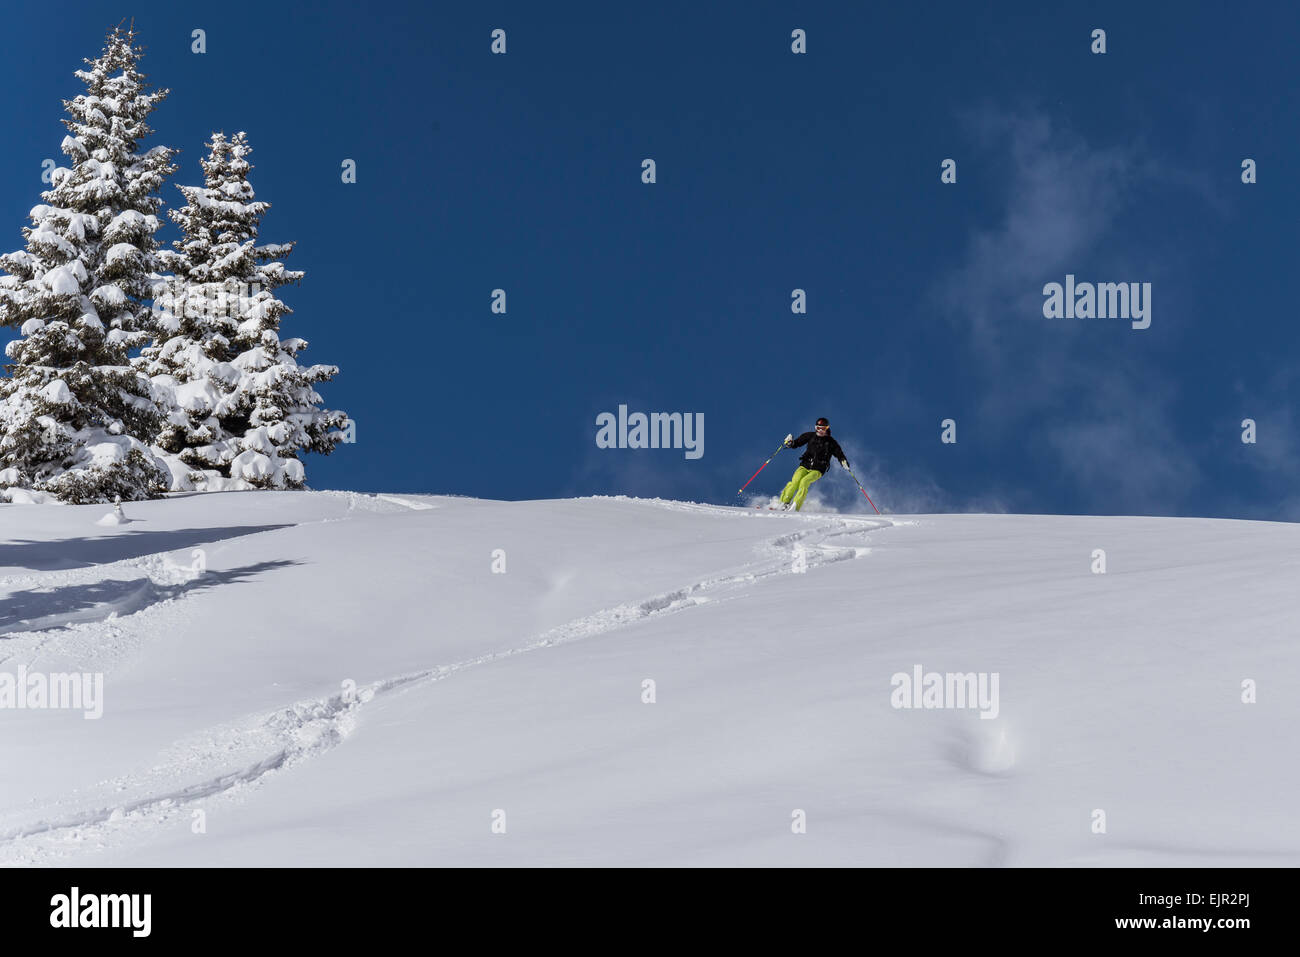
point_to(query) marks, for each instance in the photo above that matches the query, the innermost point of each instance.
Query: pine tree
(73, 410)
(244, 410)
(190, 360)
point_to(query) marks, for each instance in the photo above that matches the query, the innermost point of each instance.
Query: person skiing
(813, 463)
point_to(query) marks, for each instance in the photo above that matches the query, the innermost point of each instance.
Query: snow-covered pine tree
(190, 358)
(243, 408)
(73, 410)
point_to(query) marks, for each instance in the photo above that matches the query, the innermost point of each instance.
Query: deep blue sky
(775, 171)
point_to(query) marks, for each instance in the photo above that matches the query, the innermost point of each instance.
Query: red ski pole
(864, 491)
(760, 468)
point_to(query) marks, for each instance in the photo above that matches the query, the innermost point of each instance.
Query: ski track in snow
(287, 737)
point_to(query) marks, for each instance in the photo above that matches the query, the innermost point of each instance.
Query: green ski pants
(797, 489)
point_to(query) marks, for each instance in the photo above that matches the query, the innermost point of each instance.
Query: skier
(813, 463)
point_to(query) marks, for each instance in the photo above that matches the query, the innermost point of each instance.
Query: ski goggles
(822, 428)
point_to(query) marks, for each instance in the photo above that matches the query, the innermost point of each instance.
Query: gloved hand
(788, 439)
(845, 463)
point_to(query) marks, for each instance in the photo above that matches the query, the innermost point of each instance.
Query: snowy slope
(476, 692)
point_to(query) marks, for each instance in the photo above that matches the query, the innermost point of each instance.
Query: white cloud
(1073, 392)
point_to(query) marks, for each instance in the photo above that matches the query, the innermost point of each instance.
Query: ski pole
(864, 491)
(760, 468)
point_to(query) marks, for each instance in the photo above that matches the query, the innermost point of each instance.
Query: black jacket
(821, 449)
